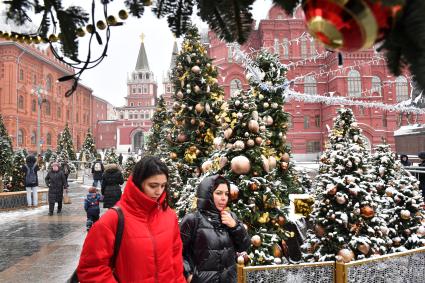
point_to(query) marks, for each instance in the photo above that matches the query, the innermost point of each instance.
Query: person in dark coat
(56, 182)
(111, 185)
(120, 158)
(421, 177)
(404, 159)
(30, 170)
(212, 235)
(97, 171)
(91, 206)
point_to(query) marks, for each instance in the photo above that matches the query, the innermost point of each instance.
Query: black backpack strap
(118, 235)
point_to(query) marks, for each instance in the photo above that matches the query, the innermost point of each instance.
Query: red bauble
(367, 212)
(349, 25)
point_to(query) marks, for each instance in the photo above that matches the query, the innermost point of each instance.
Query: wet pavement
(35, 247)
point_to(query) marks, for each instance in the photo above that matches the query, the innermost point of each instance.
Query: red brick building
(370, 82)
(25, 69)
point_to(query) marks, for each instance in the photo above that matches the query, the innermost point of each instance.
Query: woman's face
(154, 186)
(221, 197)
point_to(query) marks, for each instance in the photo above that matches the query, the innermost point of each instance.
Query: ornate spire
(174, 55)
(142, 59)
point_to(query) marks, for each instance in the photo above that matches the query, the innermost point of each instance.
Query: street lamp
(38, 90)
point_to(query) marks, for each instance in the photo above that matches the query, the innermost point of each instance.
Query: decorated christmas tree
(110, 156)
(185, 197)
(6, 152)
(175, 182)
(88, 152)
(198, 99)
(347, 222)
(14, 179)
(129, 164)
(65, 143)
(159, 119)
(401, 203)
(48, 155)
(259, 199)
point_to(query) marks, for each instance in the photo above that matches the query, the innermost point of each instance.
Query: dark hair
(30, 159)
(221, 180)
(147, 167)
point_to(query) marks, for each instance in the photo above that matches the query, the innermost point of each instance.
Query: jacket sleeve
(187, 233)
(96, 254)
(121, 180)
(239, 236)
(47, 179)
(177, 254)
(64, 181)
(86, 205)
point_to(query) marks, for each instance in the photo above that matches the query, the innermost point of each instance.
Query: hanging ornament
(349, 25)
(284, 165)
(223, 161)
(199, 108)
(421, 231)
(266, 166)
(206, 166)
(268, 120)
(196, 69)
(258, 140)
(240, 165)
(179, 94)
(196, 89)
(341, 199)
(364, 248)
(367, 212)
(345, 255)
(234, 192)
(254, 115)
(405, 214)
(256, 241)
(228, 133)
(173, 155)
(253, 126)
(277, 251)
(250, 143)
(319, 230)
(237, 102)
(285, 157)
(239, 145)
(181, 137)
(272, 162)
(253, 186)
(381, 171)
(245, 106)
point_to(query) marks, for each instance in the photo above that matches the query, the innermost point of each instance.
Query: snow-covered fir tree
(259, 199)
(401, 200)
(110, 156)
(129, 164)
(186, 198)
(14, 179)
(347, 222)
(65, 143)
(88, 151)
(159, 119)
(6, 152)
(175, 183)
(268, 87)
(48, 155)
(198, 99)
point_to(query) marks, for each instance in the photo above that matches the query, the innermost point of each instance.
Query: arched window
(401, 88)
(21, 102)
(21, 137)
(313, 48)
(235, 85)
(376, 86)
(33, 105)
(276, 46)
(49, 139)
(354, 84)
(303, 43)
(285, 48)
(49, 83)
(147, 76)
(59, 112)
(33, 137)
(310, 86)
(47, 107)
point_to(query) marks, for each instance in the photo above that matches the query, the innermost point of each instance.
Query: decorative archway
(137, 140)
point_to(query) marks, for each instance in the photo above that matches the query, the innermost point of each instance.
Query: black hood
(30, 160)
(204, 194)
(404, 155)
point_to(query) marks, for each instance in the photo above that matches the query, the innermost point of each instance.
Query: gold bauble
(240, 165)
(173, 155)
(196, 69)
(285, 157)
(234, 192)
(258, 140)
(367, 212)
(277, 250)
(256, 241)
(253, 126)
(253, 186)
(122, 14)
(364, 248)
(199, 108)
(405, 214)
(100, 25)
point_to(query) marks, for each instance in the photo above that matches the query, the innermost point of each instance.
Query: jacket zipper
(154, 251)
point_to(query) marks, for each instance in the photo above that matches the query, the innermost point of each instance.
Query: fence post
(240, 273)
(340, 273)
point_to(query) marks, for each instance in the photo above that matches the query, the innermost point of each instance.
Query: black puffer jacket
(209, 247)
(56, 182)
(112, 180)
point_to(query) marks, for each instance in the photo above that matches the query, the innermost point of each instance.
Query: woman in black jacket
(211, 236)
(112, 180)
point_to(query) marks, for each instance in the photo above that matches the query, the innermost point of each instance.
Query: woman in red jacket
(151, 248)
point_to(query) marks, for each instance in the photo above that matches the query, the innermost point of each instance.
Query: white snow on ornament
(339, 167)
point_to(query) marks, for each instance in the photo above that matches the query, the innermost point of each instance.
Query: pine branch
(136, 7)
(287, 5)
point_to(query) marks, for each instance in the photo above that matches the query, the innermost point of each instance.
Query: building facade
(27, 72)
(361, 76)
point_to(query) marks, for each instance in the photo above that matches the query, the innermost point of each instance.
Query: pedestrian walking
(30, 169)
(97, 171)
(151, 249)
(404, 159)
(212, 235)
(112, 180)
(56, 182)
(120, 157)
(91, 206)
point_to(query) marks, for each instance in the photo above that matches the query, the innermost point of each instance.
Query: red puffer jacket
(151, 248)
